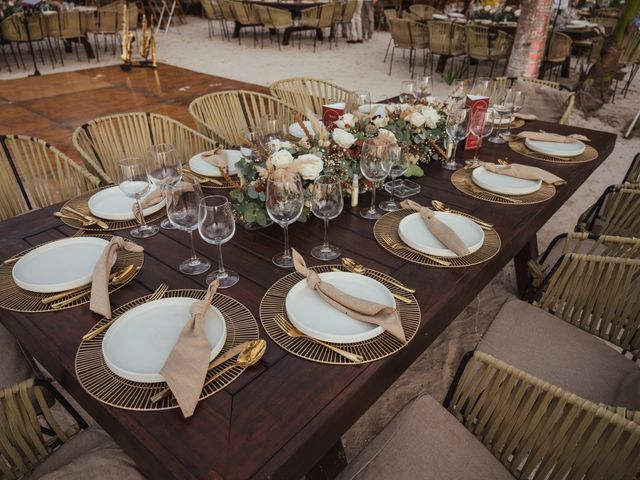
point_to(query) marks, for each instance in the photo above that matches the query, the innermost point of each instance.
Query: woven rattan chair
(423, 12)
(558, 51)
(275, 19)
(342, 17)
(481, 48)
(46, 175)
(318, 18)
(309, 93)
(533, 84)
(609, 23)
(13, 198)
(104, 141)
(629, 59)
(13, 30)
(212, 11)
(408, 35)
(225, 116)
(245, 17)
(71, 26)
(617, 212)
(104, 23)
(446, 39)
(633, 174)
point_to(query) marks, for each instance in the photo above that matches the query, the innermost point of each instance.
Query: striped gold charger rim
(588, 155)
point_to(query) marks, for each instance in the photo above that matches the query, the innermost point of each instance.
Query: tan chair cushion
(546, 103)
(89, 454)
(541, 344)
(424, 441)
(14, 368)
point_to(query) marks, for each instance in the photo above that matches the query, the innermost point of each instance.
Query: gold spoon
(356, 267)
(84, 223)
(438, 205)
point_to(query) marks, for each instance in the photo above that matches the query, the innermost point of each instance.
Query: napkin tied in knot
(525, 172)
(99, 302)
(218, 158)
(354, 307)
(186, 367)
(440, 230)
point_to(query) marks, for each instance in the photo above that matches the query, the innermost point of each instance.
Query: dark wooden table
(281, 416)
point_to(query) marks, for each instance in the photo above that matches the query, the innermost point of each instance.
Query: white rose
(404, 106)
(416, 119)
(343, 138)
(431, 116)
(281, 158)
(287, 145)
(274, 145)
(492, 11)
(388, 136)
(517, 12)
(309, 166)
(381, 122)
(345, 121)
(487, 8)
(508, 9)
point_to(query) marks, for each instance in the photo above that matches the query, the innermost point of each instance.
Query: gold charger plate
(517, 123)
(16, 299)
(104, 385)
(588, 155)
(376, 348)
(387, 226)
(79, 203)
(461, 179)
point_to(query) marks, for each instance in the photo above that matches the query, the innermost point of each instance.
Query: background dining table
(283, 415)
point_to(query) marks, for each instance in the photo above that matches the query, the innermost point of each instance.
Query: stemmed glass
(502, 103)
(271, 127)
(481, 126)
(423, 88)
(285, 201)
(481, 87)
(133, 181)
(327, 204)
(251, 139)
(164, 169)
(360, 98)
(399, 165)
(516, 105)
(216, 226)
(408, 92)
(457, 128)
(183, 202)
(375, 163)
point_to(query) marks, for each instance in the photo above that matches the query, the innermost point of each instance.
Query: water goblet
(399, 165)
(424, 87)
(271, 127)
(165, 168)
(284, 202)
(482, 87)
(408, 93)
(326, 203)
(133, 181)
(516, 105)
(183, 202)
(457, 129)
(375, 163)
(502, 104)
(217, 226)
(481, 125)
(360, 100)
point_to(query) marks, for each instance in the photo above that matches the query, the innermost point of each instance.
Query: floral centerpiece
(419, 129)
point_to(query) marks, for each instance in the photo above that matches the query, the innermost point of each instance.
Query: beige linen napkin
(441, 231)
(99, 302)
(549, 137)
(354, 307)
(150, 200)
(186, 367)
(216, 157)
(525, 172)
(525, 116)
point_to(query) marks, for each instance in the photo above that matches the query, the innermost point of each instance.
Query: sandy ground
(361, 66)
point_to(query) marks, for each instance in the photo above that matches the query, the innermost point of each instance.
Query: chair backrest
(440, 37)
(633, 174)
(104, 141)
(13, 28)
(540, 431)
(349, 10)
(609, 23)
(477, 41)
(278, 17)
(242, 12)
(224, 116)
(327, 14)
(106, 21)
(13, 199)
(47, 175)
(419, 35)
(400, 31)
(534, 82)
(422, 11)
(207, 9)
(630, 50)
(308, 93)
(559, 47)
(225, 8)
(70, 24)
(132, 16)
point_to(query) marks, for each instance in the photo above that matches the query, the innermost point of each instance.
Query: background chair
(212, 11)
(343, 15)
(407, 35)
(616, 212)
(629, 59)
(225, 116)
(419, 11)
(318, 18)
(245, 17)
(557, 53)
(446, 39)
(481, 48)
(104, 141)
(548, 100)
(308, 93)
(13, 198)
(275, 19)
(633, 174)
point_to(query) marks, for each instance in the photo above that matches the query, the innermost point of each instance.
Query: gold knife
(232, 352)
(100, 223)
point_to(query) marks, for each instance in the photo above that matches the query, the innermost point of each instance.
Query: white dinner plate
(413, 231)
(379, 109)
(503, 184)
(316, 318)
(456, 15)
(59, 265)
(139, 342)
(439, 16)
(112, 204)
(497, 120)
(295, 130)
(557, 149)
(202, 167)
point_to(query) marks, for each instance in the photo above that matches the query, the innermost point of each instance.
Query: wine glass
(375, 163)
(216, 226)
(164, 169)
(481, 126)
(133, 181)
(481, 87)
(516, 105)
(457, 123)
(285, 201)
(424, 87)
(399, 165)
(360, 100)
(326, 203)
(271, 127)
(183, 202)
(408, 92)
(250, 140)
(502, 104)
(458, 91)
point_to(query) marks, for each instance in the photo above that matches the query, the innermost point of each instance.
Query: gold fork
(293, 332)
(84, 223)
(89, 218)
(158, 294)
(401, 246)
(475, 189)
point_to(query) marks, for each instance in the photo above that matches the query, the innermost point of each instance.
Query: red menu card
(475, 104)
(331, 113)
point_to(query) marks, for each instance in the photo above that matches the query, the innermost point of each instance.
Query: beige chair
(309, 93)
(104, 23)
(344, 13)
(245, 17)
(225, 116)
(546, 99)
(45, 174)
(557, 53)
(609, 23)
(481, 48)
(617, 212)
(408, 35)
(629, 61)
(14, 31)
(633, 174)
(227, 15)
(13, 199)
(421, 12)
(275, 19)
(446, 39)
(212, 11)
(318, 18)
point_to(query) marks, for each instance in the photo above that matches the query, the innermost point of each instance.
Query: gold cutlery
(395, 295)
(356, 267)
(293, 332)
(475, 189)
(89, 218)
(401, 246)
(115, 278)
(202, 178)
(84, 223)
(232, 352)
(438, 205)
(12, 259)
(158, 294)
